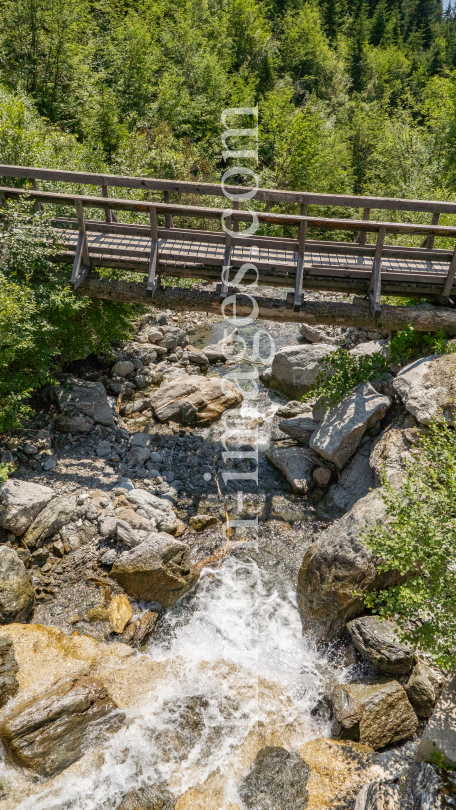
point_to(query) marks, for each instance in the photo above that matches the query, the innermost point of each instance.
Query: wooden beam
(168, 218)
(361, 237)
(423, 318)
(450, 277)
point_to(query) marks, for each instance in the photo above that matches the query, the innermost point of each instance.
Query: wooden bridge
(166, 238)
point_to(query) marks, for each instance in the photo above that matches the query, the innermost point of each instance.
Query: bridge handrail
(215, 190)
(216, 213)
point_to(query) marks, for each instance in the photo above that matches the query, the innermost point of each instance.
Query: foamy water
(240, 673)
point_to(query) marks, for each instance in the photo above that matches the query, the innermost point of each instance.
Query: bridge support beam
(424, 317)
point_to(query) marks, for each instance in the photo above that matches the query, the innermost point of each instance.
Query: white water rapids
(239, 670)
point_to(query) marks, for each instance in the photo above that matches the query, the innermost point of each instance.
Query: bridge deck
(157, 246)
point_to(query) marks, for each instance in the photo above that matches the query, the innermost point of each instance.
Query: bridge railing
(232, 237)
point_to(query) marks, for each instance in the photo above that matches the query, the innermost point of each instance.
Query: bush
(340, 372)
(42, 323)
(409, 344)
(419, 536)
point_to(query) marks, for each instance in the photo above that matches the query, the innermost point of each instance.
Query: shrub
(42, 323)
(419, 536)
(341, 371)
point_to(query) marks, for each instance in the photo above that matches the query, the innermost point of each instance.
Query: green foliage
(409, 344)
(418, 539)
(42, 323)
(5, 471)
(340, 372)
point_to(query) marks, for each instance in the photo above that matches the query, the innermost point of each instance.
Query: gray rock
(157, 509)
(107, 526)
(17, 596)
(169, 342)
(294, 408)
(20, 503)
(356, 481)
(371, 347)
(378, 643)
(138, 456)
(139, 440)
(294, 368)
(152, 797)
(109, 557)
(74, 423)
(296, 464)
(299, 428)
(314, 335)
(154, 335)
(30, 449)
(50, 520)
(390, 454)
(422, 689)
(103, 449)
(8, 670)
(277, 781)
(322, 476)
(123, 368)
(376, 714)
(199, 358)
(126, 534)
(427, 388)
(344, 425)
(336, 566)
(48, 732)
(430, 791)
(50, 463)
(439, 738)
(158, 570)
(80, 397)
(209, 397)
(142, 351)
(380, 795)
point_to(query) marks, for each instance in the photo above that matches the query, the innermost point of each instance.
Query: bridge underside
(200, 255)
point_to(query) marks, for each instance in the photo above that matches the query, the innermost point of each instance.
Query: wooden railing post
(430, 239)
(362, 235)
(109, 215)
(81, 264)
(375, 286)
(226, 259)
(168, 217)
(37, 205)
(152, 279)
(236, 221)
(450, 277)
(300, 259)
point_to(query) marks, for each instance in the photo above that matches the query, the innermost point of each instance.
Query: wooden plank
(215, 190)
(450, 277)
(153, 259)
(375, 283)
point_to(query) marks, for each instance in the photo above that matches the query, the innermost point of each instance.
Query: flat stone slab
(195, 400)
(20, 503)
(343, 426)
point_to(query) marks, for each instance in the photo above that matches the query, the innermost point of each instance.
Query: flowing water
(234, 674)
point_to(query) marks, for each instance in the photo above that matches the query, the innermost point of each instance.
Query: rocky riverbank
(125, 609)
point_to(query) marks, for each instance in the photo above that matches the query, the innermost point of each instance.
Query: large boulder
(8, 670)
(17, 596)
(427, 388)
(80, 397)
(344, 425)
(195, 400)
(438, 742)
(383, 794)
(277, 781)
(20, 502)
(50, 731)
(423, 689)
(296, 464)
(378, 643)
(158, 570)
(390, 454)
(158, 510)
(51, 519)
(338, 569)
(376, 714)
(295, 368)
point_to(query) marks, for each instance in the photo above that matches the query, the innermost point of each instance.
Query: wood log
(423, 317)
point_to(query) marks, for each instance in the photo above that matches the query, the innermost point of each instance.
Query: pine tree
(358, 42)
